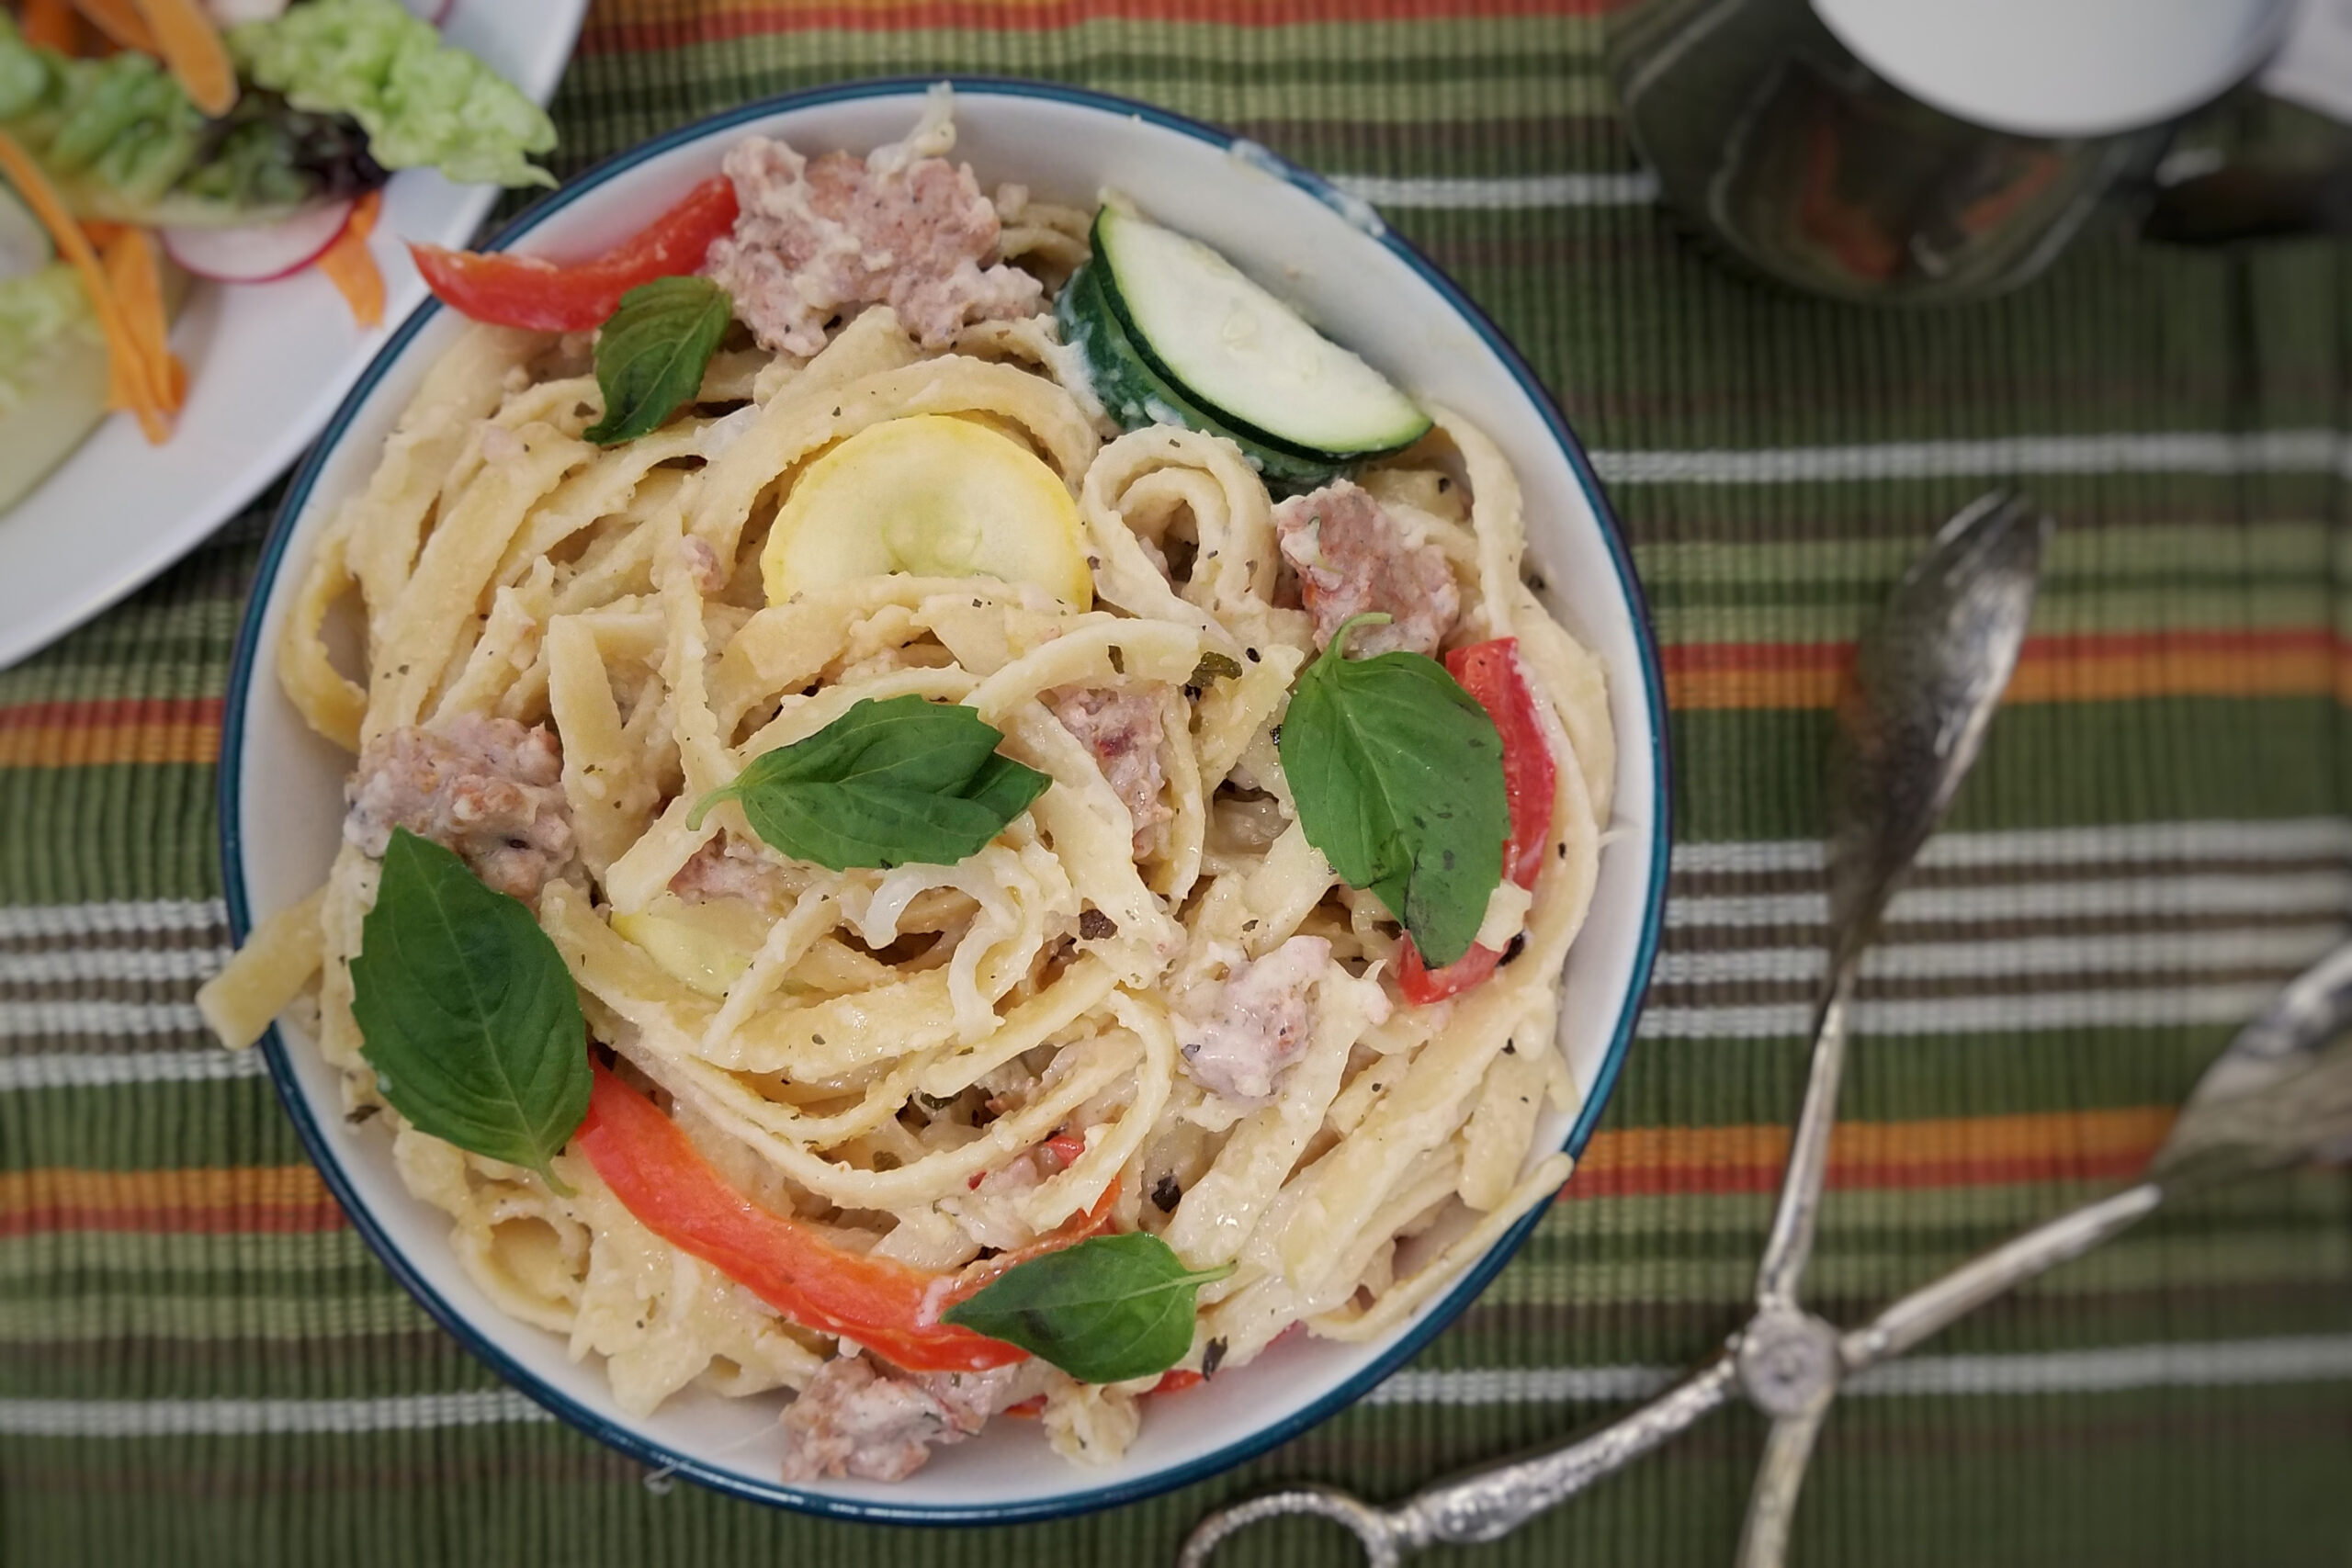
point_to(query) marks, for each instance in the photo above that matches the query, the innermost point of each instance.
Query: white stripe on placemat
(96, 1070)
(2232, 1363)
(2288, 838)
(2291, 892)
(2226, 1362)
(1524, 1386)
(2131, 953)
(81, 966)
(257, 1418)
(1504, 193)
(20, 1021)
(2229, 1362)
(2151, 1007)
(19, 921)
(2152, 452)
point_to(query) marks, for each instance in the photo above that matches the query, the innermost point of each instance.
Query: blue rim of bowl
(669, 1461)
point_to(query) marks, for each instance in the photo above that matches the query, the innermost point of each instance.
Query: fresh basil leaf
(652, 352)
(1109, 1309)
(887, 783)
(467, 1011)
(1005, 786)
(1398, 777)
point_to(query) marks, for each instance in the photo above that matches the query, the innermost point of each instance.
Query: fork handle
(1490, 1503)
(1927, 1310)
(1788, 1245)
(1773, 1506)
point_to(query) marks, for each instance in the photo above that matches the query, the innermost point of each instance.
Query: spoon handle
(1790, 1243)
(1927, 1310)
(1773, 1506)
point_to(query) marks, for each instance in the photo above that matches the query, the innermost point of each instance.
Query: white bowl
(281, 801)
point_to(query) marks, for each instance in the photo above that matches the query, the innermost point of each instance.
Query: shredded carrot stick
(135, 274)
(50, 24)
(351, 268)
(191, 46)
(126, 367)
(120, 20)
(101, 230)
(135, 381)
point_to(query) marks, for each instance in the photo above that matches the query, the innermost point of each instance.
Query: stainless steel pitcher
(1892, 179)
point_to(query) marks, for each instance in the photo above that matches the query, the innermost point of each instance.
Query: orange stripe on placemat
(1968, 1151)
(1972, 1151)
(654, 23)
(276, 1198)
(2105, 667)
(123, 729)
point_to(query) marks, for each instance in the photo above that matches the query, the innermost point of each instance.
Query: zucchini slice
(1238, 354)
(1136, 396)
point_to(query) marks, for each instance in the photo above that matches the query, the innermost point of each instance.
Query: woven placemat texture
(201, 1364)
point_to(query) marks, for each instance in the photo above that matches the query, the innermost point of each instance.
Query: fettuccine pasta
(1150, 1004)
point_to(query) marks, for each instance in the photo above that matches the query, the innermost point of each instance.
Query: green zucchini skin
(1136, 396)
(1140, 384)
(1341, 408)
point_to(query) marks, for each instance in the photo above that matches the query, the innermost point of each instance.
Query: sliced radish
(258, 253)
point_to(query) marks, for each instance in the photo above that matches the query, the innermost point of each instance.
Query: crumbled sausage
(487, 788)
(1121, 729)
(704, 566)
(724, 868)
(858, 1417)
(1351, 557)
(1260, 1024)
(817, 238)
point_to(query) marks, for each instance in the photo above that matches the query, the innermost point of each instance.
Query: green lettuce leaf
(115, 134)
(121, 141)
(422, 104)
(52, 375)
(42, 314)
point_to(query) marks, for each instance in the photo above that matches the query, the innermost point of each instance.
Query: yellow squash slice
(707, 945)
(933, 495)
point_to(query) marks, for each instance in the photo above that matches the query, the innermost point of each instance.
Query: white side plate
(267, 363)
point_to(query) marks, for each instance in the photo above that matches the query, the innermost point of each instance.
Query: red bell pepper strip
(1490, 671)
(1175, 1380)
(661, 1179)
(1423, 985)
(508, 290)
(1061, 1152)
(1077, 1228)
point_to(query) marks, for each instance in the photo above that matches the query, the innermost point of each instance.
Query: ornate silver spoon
(1927, 676)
